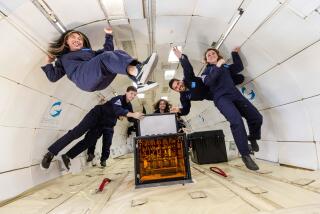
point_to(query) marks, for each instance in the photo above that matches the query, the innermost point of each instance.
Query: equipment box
(161, 159)
(207, 147)
(155, 124)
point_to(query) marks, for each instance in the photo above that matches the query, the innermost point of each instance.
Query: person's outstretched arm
(188, 72)
(237, 65)
(53, 72)
(186, 105)
(108, 43)
(135, 115)
(119, 110)
(131, 119)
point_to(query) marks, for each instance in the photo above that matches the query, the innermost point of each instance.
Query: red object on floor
(218, 171)
(103, 184)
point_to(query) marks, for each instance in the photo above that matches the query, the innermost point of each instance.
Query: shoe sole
(42, 168)
(253, 169)
(45, 169)
(68, 168)
(147, 87)
(149, 67)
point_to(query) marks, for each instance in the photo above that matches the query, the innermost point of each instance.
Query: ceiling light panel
(172, 57)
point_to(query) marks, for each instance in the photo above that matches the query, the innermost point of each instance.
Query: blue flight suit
(99, 120)
(196, 90)
(92, 137)
(91, 70)
(232, 104)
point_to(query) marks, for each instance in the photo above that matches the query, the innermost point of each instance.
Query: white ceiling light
(140, 96)
(114, 8)
(172, 57)
(164, 98)
(169, 74)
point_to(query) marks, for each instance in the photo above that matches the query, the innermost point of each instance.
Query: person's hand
(175, 109)
(108, 30)
(137, 115)
(236, 49)
(220, 62)
(177, 52)
(50, 59)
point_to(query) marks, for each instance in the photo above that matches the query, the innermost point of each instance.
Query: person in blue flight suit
(99, 120)
(163, 106)
(95, 134)
(231, 103)
(191, 88)
(94, 70)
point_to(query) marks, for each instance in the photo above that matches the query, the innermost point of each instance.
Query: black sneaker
(250, 164)
(45, 163)
(254, 145)
(103, 163)
(250, 149)
(145, 87)
(66, 161)
(146, 67)
(90, 157)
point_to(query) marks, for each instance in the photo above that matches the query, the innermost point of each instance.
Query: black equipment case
(207, 147)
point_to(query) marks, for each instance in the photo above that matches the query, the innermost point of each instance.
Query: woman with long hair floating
(94, 70)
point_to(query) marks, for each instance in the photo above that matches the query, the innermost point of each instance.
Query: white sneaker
(146, 68)
(145, 87)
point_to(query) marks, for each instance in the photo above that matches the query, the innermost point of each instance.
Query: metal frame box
(161, 159)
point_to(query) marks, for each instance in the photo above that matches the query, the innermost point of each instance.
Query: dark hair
(157, 104)
(131, 88)
(211, 49)
(171, 82)
(60, 47)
